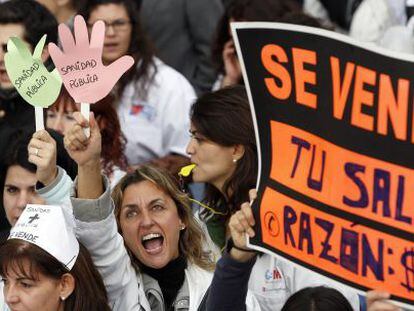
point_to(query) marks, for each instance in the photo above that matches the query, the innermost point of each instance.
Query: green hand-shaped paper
(32, 80)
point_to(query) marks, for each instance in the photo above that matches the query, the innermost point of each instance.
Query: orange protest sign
(343, 251)
(342, 179)
(334, 122)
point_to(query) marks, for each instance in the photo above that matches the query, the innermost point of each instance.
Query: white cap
(51, 228)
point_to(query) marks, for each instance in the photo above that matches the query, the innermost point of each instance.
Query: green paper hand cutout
(32, 80)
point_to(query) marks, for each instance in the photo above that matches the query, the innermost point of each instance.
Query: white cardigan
(97, 231)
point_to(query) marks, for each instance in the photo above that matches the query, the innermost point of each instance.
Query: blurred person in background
(63, 10)
(372, 18)
(152, 99)
(28, 20)
(182, 31)
(224, 52)
(333, 14)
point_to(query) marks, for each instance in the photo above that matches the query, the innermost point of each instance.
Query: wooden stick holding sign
(80, 64)
(85, 108)
(39, 87)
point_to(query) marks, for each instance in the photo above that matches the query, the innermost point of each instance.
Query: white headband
(51, 228)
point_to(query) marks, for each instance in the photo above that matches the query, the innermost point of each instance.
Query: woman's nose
(11, 294)
(146, 219)
(190, 147)
(23, 200)
(59, 125)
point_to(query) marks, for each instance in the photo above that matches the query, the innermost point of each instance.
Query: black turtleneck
(170, 279)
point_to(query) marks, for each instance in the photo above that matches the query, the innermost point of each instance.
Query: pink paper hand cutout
(80, 63)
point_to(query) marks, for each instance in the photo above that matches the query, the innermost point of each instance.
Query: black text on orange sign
(347, 181)
(357, 255)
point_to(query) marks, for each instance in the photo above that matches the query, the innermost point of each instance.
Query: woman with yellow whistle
(224, 156)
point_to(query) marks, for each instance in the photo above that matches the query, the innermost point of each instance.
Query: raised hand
(232, 68)
(377, 301)
(86, 152)
(83, 150)
(80, 63)
(240, 224)
(32, 80)
(42, 153)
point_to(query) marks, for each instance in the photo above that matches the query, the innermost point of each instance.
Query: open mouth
(153, 243)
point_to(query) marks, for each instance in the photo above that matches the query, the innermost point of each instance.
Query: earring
(182, 227)
(63, 298)
(234, 160)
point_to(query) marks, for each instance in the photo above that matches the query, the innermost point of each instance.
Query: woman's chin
(197, 176)
(155, 260)
(156, 264)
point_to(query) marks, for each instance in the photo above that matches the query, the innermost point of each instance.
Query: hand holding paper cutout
(80, 63)
(43, 153)
(32, 80)
(82, 149)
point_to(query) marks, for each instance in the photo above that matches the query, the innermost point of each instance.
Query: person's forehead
(109, 12)
(11, 30)
(65, 105)
(19, 176)
(143, 193)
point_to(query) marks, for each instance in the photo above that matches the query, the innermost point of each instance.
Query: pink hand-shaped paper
(80, 63)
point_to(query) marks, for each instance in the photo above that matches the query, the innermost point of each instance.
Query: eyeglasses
(117, 25)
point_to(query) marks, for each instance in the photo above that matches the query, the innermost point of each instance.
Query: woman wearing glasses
(152, 99)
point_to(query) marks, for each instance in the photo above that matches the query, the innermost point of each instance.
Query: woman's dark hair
(89, 293)
(34, 17)
(113, 140)
(140, 47)
(248, 10)
(318, 298)
(78, 4)
(14, 143)
(224, 117)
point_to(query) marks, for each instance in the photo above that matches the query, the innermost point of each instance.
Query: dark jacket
(228, 289)
(182, 31)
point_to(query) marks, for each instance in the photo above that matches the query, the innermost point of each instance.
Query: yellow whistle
(186, 170)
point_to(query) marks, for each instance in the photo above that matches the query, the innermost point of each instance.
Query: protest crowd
(145, 201)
